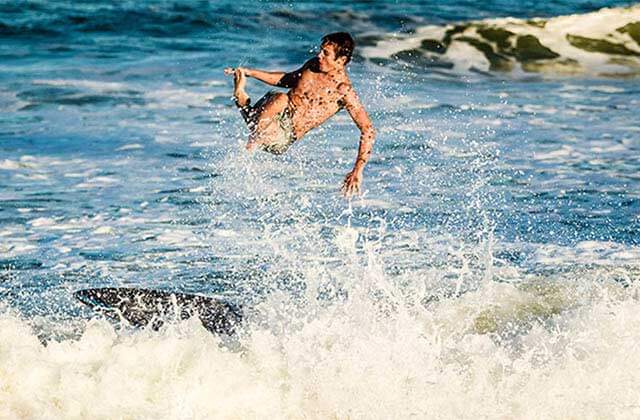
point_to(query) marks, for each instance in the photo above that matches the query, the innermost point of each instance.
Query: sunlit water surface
(490, 268)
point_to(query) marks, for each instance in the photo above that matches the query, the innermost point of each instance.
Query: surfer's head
(336, 50)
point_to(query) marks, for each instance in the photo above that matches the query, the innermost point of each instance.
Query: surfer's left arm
(352, 104)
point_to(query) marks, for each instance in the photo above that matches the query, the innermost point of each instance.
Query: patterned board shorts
(284, 136)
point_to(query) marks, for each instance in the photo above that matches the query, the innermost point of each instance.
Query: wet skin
(317, 91)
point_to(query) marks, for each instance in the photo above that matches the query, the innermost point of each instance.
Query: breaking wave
(542, 349)
(605, 43)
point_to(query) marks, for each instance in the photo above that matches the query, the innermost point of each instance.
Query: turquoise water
(495, 248)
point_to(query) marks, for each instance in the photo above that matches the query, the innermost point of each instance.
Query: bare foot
(240, 80)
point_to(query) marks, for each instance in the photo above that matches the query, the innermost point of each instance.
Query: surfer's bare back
(317, 91)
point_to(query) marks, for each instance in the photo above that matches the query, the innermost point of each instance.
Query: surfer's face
(327, 58)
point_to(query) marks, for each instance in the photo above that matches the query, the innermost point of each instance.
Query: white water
(358, 359)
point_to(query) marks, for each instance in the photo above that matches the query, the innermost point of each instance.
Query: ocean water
(489, 270)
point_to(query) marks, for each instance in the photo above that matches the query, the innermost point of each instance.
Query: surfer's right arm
(278, 78)
(269, 77)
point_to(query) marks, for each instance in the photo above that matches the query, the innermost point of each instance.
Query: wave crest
(604, 43)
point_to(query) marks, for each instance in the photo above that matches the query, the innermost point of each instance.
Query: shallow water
(490, 269)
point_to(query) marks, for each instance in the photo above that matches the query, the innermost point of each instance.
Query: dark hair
(344, 43)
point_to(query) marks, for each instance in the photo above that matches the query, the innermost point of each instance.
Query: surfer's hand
(352, 182)
(238, 70)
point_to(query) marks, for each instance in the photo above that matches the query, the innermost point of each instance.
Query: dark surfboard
(143, 307)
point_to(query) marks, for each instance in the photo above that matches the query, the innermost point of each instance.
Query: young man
(317, 91)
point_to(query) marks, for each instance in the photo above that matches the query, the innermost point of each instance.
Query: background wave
(603, 43)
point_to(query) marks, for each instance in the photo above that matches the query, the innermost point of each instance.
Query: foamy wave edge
(352, 362)
(605, 43)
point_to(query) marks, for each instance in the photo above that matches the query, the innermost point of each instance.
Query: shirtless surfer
(317, 91)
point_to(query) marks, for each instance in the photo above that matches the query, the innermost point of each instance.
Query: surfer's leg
(243, 102)
(268, 107)
(266, 129)
(260, 118)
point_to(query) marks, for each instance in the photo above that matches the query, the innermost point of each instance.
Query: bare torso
(315, 97)
(317, 91)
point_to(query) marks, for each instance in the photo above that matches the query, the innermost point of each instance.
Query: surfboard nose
(91, 297)
(142, 307)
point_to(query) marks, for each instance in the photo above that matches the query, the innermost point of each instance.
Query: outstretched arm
(353, 180)
(269, 77)
(278, 78)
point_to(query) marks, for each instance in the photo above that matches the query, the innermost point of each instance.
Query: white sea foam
(558, 154)
(37, 164)
(34, 177)
(104, 230)
(15, 246)
(353, 360)
(586, 253)
(214, 82)
(132, 146)
(179, 237)
(10, 165)
(596, 88)
(87, 84)
(9, 101)
(98, 181)
(171, 97)
(42, 221)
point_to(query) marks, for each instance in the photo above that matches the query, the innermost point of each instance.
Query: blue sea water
(489, 269)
